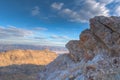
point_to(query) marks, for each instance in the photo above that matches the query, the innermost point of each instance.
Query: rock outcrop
(96, 56)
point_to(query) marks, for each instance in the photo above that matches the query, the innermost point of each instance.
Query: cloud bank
(13, 32)
(83, 10)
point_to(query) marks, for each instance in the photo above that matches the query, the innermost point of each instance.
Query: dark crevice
(106, 26)
(99, 40)
(109, 27)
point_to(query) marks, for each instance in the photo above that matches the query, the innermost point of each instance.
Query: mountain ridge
(7, 47)
(24, 64)
(26, 57)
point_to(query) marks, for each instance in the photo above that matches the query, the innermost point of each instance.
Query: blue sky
(50, 22)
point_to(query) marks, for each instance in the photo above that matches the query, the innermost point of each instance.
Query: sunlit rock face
(96, 56)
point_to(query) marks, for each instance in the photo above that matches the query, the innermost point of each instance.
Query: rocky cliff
(96, 56)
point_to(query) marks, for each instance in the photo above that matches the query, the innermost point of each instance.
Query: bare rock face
(96, 56)
(107, 30)
(75, 50)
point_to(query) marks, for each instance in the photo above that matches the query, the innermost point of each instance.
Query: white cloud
(88, 9)
(35, 11)
(106, 1)
(57, 6)
(117, 11)
(13, 32)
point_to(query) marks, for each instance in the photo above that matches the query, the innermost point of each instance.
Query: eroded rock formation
(96, 56)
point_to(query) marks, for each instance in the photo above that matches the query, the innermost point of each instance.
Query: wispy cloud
(57, 6)
(14, 35)
(40, 38)
(59, 37)
(106, 1)
(35, 11)
(40, 29)
(13, 32)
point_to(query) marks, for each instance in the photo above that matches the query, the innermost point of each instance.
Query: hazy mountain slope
(26, 57)
(6, 47)
(20, 72)
(23, 64)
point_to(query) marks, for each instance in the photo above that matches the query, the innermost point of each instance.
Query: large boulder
(75, 52)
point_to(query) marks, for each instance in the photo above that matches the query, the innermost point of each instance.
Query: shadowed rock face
(94, 57)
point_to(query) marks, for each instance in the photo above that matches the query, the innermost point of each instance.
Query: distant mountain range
(24, 64)
(7, 47)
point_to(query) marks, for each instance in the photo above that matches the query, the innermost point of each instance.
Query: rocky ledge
(96, 56)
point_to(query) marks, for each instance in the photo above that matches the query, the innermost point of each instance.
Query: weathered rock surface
(96, 56)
